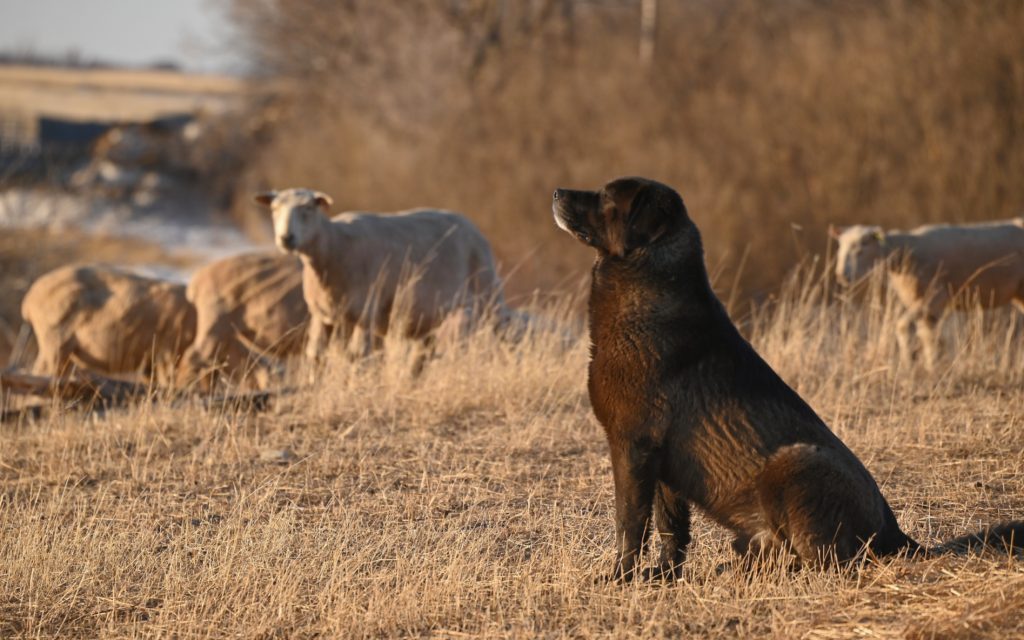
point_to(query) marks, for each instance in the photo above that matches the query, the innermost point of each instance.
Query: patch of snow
(184, 226)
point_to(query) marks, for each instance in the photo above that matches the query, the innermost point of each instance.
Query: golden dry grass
(476, 500)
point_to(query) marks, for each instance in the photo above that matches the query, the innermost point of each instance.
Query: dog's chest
(625, 382)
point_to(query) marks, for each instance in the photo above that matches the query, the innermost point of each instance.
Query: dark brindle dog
(694, 416)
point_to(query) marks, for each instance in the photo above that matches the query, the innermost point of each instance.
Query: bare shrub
(773, 120)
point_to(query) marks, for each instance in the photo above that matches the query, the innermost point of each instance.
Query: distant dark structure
(62, 134)
(47, 148)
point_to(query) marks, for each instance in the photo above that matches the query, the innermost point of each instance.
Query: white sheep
(366, 271)
(249, 312)
(107, 320)
(935, 266)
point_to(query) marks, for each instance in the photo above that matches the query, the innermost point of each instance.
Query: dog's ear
(651, 215)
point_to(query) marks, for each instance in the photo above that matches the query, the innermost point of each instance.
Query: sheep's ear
(834, 232)
(322, 200)
(264, 198)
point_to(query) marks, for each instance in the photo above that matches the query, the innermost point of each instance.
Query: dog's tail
(1007, 537)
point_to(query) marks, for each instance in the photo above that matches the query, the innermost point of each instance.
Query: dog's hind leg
(823, 509)
(672, 518)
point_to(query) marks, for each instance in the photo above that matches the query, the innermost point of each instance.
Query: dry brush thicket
(476, 499)
(772, 119)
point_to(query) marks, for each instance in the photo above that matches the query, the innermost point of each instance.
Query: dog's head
(626, 216)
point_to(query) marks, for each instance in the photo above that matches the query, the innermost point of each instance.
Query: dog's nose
(288, 240)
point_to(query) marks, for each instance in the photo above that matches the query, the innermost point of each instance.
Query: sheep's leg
(217, 354)
(46, 364)
(256, 367)
(54, 356)
(341, 334)
(361, 342)
(264, 372)
(904, 334)
(190, 367)
(928, 328)
(316, 339)
(453, 327)
(425, 350)
(927, 332)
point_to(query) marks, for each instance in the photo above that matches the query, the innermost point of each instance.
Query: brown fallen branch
(82, 387)
(96, 392)
(34, 412)
(255, 401)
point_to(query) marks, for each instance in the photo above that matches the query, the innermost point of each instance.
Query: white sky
(132, 32)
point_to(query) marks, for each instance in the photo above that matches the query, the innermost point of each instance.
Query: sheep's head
(861, 247)
(297, 214)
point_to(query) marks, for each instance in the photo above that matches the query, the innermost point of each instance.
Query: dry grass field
(475, 500)
(111, 94)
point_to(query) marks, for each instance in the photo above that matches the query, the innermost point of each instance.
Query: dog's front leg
(634, 466)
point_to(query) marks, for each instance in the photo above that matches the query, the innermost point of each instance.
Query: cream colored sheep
(109, 321)
(249, 308)
(933, 267)
(363, 270)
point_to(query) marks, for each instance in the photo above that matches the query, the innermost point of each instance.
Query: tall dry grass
(772, 119)
(476, 499)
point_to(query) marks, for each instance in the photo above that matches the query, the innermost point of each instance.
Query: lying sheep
(248, 307)
(361, 271)
(935, 266)
(108, 321)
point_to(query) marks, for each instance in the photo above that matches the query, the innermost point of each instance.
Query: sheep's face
(297, 215)
(861, 247)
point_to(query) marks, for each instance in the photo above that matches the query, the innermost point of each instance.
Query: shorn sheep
(934, 267)
(250, 314)
(367, 271)
(108, 321)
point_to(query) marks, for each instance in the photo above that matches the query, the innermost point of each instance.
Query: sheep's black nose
(555, 195)
(288, 240)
